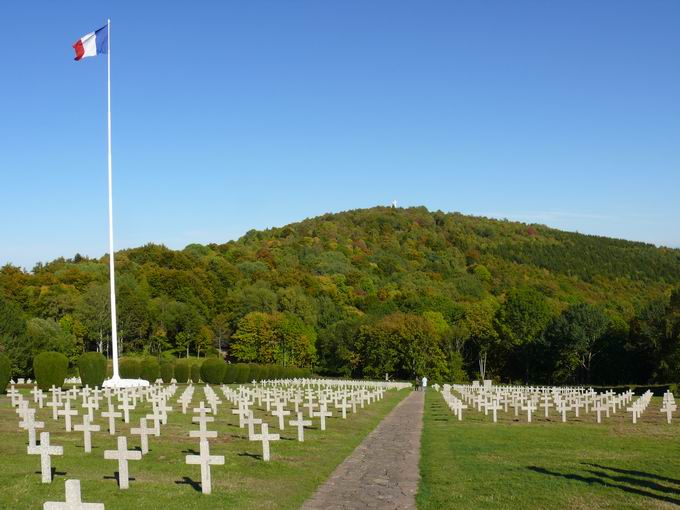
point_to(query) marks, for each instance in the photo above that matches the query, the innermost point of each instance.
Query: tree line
(369, 293)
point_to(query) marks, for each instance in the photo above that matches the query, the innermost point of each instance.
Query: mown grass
(163, 480)
(477, 464)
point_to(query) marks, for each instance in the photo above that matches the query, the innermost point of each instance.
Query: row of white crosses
(61, 404)
(668, 406)
(455, 404)
(275, 398)
(530, 400)
(283, 399)
(640, 405)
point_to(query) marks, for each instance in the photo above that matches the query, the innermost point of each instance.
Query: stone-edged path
(382, 472)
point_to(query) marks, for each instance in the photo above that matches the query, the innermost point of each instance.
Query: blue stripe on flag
(102, 40)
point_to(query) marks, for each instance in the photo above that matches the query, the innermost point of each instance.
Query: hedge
(150, 369)
(195, 372)
(50, 369)
(182, 371)
(92, 369)
(212, 370)
(240, 373)
(258, 372)
(5, 372)
(129, 368)
(229, 374)
(167, 371)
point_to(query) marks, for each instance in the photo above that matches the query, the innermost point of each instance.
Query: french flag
(92, 44)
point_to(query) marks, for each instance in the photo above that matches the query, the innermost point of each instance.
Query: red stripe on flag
(80, 50)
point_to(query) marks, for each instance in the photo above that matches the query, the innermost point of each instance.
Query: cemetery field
(475, 463)
(162, 479)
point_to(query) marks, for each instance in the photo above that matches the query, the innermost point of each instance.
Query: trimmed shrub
(258, 372)
(196, 372)
(50, 369)
(212, 370)
(150, 369)
(92, 368)
(5, 372)
(229, 374)
(129, 368)
(182, 371)
(167, 371)
(242, 373)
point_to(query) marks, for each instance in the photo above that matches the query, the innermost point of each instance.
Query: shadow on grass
(625, 484)
(116, 477)
(188, 481)
(634, 473)
(252, 455)
(53, 472)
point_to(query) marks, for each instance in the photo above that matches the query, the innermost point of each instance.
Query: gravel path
(382, 472)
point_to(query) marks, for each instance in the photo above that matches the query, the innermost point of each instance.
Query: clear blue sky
(229, 116)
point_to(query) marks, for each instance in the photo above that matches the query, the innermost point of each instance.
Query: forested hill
(351, 293)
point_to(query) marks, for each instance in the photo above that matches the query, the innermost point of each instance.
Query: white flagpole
(114, 329)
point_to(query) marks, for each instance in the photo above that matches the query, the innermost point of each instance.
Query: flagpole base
(117, 382)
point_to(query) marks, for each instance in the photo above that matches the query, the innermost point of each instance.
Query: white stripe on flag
(89, 45)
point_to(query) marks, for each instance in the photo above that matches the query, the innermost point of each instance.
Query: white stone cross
(126, 407)
(494, 407)
(163, 408)
(90, 405)
(252, 421)
(111, 414)
(185, 400)
(73, 500)
(343, 406)
(122, 455)
(87, 428)
(599, 407)
(202, 433)
(201, 409)
(67, 412)
(31, 425)
(13, 394)
(143, 432)
(668, 408)
(562, 408)
(530, 407)
(265, 437)
(457, 408)
(55, 404)
(268, 399)
(41, 399)
(242, 413)
(310, 405)
(205, 460)
(45, 450)
(35, 392)
(322, 414)
(280, 413)
(300, 424)
(546, 405)
(156, 418)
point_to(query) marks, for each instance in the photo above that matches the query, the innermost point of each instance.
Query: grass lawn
(477, 464)
(163, 480)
